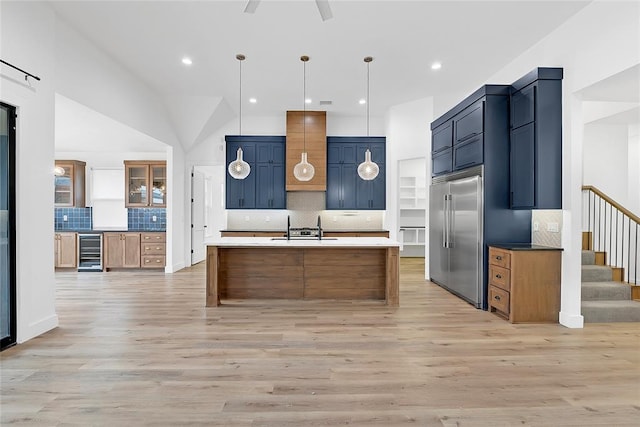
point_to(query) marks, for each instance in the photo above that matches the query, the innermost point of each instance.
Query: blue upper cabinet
(264, 188)
(464, 136)
(536, 140)
(345, 189)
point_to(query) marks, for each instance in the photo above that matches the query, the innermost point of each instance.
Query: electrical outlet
(553, 227)
(267, 219)
(154, 218)
(335, 219)
(246, 218)
(368, 219)
(536, 226)
(65, 218)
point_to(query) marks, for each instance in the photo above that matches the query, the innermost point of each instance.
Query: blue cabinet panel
(469, 122)
(345, 189)
(523, 167)
(522, 106)
(264, 188)
(468, 153)
(442, 137)
(441, 162)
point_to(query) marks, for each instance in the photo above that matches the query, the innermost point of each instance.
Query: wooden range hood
(316, 143)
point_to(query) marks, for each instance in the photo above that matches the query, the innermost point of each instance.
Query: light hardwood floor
(140, 348)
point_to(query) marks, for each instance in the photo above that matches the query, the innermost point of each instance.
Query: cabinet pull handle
(158, 261)
(498, 276)
(497, 297)
(499, 258)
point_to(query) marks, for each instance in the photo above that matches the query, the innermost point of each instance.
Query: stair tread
(612, 304)
(611, 284)
(596, 267)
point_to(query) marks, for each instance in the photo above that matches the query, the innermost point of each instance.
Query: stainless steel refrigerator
(456, 255)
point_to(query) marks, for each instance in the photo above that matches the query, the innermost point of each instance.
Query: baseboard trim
(37, 328)
(575, 321)
(174, 267)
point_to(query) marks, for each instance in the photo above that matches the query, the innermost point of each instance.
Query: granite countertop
(524, 247)
(267, 242)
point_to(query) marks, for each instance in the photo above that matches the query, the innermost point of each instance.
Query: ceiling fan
(323, 8)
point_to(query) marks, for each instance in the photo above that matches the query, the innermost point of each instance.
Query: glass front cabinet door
(69, 184)
(146, 184)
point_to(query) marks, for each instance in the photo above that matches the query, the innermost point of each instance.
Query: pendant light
(368, 170)
(239, 169)
(304, 170)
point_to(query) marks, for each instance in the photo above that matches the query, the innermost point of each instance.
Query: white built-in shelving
(412, 204)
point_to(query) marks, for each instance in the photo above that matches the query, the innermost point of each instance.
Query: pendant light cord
(304, 105)
(240, 100)
(368, 98)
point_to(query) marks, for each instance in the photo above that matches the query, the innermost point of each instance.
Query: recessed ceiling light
(187, 61)
(436, 66)
(307, 101)
(253, 100)
(362, 101)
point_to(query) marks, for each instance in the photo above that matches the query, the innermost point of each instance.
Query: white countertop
(360, 242)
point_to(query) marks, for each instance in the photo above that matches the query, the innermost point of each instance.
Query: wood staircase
(605, 297)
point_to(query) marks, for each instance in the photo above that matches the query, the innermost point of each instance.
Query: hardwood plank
(139, 348)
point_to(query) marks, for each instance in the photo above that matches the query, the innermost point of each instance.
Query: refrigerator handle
(445, 228)
(450, 223)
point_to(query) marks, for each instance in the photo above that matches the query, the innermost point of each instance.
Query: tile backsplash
(151, 219)
(73, 219)
(546, 226)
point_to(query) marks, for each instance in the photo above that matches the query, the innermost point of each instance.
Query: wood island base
(343, 273)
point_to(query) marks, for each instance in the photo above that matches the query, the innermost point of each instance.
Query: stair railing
(614, 230)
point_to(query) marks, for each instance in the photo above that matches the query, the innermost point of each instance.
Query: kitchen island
(348, 268)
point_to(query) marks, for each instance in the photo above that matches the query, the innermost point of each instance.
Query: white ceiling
(472, 39)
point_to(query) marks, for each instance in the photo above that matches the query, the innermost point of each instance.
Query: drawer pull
(158, 261)
(147, 261)
(496, 297)
(498, 276)
(498, 257)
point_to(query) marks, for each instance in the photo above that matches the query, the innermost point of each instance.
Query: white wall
(606, 160)
(408, 136)
(599, 41)
(27, 41)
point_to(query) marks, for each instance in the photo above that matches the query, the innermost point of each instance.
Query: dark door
(7, 227)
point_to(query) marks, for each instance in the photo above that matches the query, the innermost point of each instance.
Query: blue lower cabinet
(264, 188)
(345, 188)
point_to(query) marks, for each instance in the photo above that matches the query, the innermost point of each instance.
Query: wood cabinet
(145, 183)
(65, 249)
(264, 188)
(524, 284)
(153, 249)
(307, 129)
(69, 186)
(345, 189)
(536, 140)
(121, 250)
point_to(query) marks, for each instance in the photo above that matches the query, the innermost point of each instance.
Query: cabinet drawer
(153, 237)
(469, 153)
(469, 123)
(153, 249)
(441, 162)
(152, 261)
(500, 277)
(499, 258)
(499, 299)
(442, 138)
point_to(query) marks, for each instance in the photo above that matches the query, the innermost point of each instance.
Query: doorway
(7, 226)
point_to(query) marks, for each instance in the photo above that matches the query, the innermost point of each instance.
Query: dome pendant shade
(304, 170)
(239, 169)
(368, 170)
